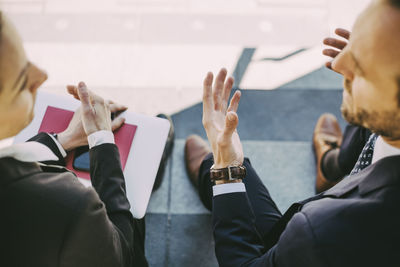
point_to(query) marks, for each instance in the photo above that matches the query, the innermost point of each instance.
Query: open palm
(220, 120)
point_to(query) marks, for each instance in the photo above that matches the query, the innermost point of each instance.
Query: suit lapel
(382, 173)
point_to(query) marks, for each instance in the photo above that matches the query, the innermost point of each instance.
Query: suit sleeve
(108, 180)
(237, 242)
(46, 140)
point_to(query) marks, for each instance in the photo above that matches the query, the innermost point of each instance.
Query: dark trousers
(265, 210)
(139, 232)
(354, 140)
(339, 162)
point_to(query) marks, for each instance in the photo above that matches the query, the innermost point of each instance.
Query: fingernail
(81, 84)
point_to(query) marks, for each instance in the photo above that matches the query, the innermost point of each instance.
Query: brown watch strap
(230, 173)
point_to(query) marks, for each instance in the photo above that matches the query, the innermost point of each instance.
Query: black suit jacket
(49, 219)
(355, 223)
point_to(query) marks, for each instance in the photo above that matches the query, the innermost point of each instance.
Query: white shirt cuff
(228, 188)
(100, 137)
(60, 148)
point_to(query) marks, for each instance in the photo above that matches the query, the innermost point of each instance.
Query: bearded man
(353, 223)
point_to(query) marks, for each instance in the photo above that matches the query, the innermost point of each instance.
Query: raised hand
(337, 45)
(220, 120)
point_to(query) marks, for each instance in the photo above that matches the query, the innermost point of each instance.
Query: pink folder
(56, 120)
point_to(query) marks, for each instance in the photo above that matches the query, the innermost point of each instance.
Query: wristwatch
(230, 173)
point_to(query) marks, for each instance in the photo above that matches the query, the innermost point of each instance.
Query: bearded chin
(386, 124)
(348, 115)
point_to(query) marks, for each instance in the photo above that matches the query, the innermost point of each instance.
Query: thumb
(117, 123)
(231, 122)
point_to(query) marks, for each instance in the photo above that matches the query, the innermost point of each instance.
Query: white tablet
(145, 152)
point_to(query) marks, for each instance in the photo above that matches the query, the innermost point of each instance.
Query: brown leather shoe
(196, 149)
(327, 136)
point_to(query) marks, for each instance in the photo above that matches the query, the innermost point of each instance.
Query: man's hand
(93, 115)
(338, 44)
(220, 121)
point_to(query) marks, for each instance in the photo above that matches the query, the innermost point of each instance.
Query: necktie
(365, 158)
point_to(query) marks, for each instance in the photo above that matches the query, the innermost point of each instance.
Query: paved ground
(152, 55)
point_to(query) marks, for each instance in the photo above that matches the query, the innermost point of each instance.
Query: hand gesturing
(220, 120)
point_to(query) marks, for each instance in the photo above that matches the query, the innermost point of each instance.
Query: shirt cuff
(100, 137)
(228, 188)
(60, 148)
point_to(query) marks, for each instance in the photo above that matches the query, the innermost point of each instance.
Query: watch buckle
(230, 173)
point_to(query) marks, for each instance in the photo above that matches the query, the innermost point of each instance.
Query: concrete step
(278, 115)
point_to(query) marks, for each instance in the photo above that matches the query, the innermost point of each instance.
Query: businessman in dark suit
(355, 222)
(47, 217)
(336, 153)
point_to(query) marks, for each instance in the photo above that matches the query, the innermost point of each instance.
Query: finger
(84, 96)
(233, 106)
(231, 122)
(73, 90)
(227, 92)
(343, 33)
(207, 93)
(94, 98)
(117, 123)
(117, 107)
(328, 65)
(336, 43)
(218, 87)
(330, 52)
